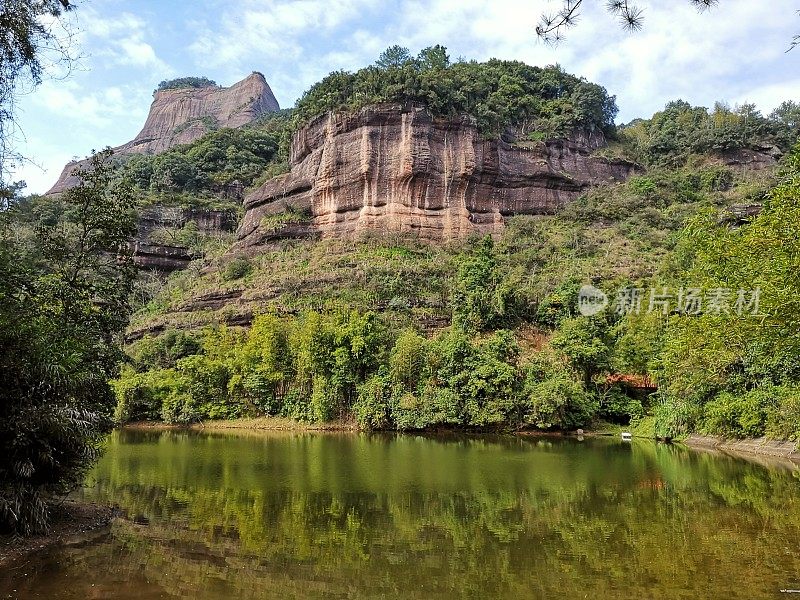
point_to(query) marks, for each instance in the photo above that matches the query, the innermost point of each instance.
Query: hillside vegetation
(403, 334)
(398, 333)
(541, 102)
(185, 83)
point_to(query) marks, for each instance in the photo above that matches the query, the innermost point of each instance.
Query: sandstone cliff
(181, 116)
(394, 168)
(156, 246)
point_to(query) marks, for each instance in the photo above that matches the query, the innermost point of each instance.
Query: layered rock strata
(399, 169)
(160, 221)
(181, 116)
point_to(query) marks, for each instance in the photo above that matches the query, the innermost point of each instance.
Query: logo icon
(591, 301)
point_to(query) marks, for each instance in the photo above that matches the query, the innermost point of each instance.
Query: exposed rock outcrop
(161, 257)
(181, 116)
(746, 159)
(395, 168)
(159, 222)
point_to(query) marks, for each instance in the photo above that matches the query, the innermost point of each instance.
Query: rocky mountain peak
(180, 116)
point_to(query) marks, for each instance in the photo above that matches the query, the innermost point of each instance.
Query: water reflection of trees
(366, 515)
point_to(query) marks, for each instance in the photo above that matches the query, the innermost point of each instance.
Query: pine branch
(551, 28)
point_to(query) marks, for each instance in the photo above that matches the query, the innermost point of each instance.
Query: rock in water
(180, 116)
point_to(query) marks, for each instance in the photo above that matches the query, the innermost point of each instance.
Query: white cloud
(735, 53)
(736, 50)
(67, 101)
(123, 39)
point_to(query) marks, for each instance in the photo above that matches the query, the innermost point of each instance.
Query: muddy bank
(754, 447)
(69, 521)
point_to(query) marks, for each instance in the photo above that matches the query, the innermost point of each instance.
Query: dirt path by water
(70, 520)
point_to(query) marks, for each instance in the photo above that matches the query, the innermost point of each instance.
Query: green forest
(396, 333)
(508, 347)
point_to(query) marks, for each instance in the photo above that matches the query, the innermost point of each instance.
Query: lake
(323, 515)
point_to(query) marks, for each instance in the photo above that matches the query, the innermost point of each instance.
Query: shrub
(372, 407)
(435, 407)
(783, 417)
(642, 186)
(236, 269)
(675, 418)
(717, 179)
(164, 351)
(736, 416)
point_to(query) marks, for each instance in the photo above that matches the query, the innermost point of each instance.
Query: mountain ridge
(181, 116)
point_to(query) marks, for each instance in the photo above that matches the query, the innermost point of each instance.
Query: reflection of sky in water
(341, 515)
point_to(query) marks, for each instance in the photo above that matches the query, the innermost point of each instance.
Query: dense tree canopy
(185, 82)
(680, 130)
(499, 94)
(211, 163)
(65, 279)
(730, 373)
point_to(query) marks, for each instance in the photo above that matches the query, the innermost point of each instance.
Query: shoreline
(752, 448)
(73, 521)
(746, 449)
(70, 521)
(245, 424)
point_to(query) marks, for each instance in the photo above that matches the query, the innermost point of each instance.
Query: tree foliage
(64, 287)
(499, 94)
(207, 165)
(28, 31)
(711, 363)
(671, 136)
(185, 82)
(552, 27)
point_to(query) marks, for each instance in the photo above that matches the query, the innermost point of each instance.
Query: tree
(185, 82)
(787, 116)
(27, 30)
(551, 27)
(585, 341)
(499, 94)
(433, 57)
(480, 300)
(393, 57)
(64, 289)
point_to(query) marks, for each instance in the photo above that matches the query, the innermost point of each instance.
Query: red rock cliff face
(392, 168)
(184, 115)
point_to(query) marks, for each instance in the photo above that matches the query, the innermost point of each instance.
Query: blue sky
(735, 53)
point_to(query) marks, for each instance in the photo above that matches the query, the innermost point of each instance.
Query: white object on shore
(626, 437)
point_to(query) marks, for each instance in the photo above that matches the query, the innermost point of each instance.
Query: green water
(366, 516)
